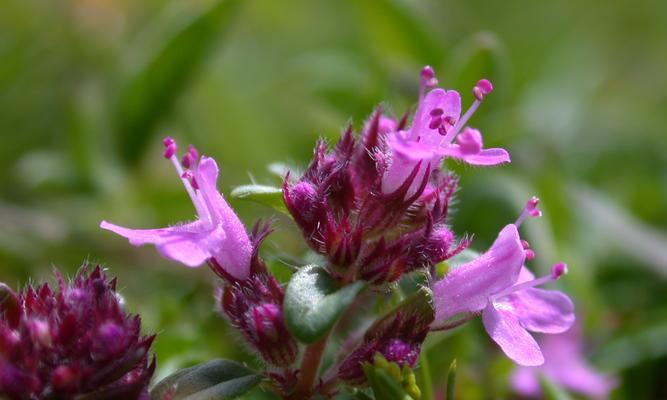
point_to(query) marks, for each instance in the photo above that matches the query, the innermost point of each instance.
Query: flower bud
(76, 342)
(254, 307)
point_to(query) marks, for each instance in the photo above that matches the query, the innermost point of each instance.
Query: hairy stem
(310, 365)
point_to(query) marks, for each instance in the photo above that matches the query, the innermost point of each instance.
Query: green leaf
(267, 195)
(151, 91)
(451, 380)
(217, 379)
(391, 382)
(426, 384)
(314, 301)
(385, 387)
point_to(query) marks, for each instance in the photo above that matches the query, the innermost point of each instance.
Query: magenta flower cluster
(375, 207)
(72, 342)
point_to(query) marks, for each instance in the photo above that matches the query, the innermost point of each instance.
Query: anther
(169, 147)
(435, 123)
(191, 178)
(558, 270)
(482, 89)
(530, 210)
(429, 80)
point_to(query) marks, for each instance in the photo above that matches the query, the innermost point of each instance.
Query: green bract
(314, 301)
(213, 380)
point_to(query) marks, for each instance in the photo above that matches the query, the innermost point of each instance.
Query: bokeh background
(89, 87)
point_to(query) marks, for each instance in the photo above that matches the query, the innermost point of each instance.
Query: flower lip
(217, 233)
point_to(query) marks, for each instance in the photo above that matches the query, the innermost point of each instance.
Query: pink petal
(485, 158)
(512, 338)
(235, 251)
(566, 365)
(468, 287)
(405, 154)
(525, 381)
(180, 243)
(448, 101)
(539, 310)
(525, 275)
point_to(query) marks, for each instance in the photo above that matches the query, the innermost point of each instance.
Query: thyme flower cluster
(374, 207)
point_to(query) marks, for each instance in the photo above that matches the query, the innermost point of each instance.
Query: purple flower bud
(75, 341)
(399, 341)
(254, 307)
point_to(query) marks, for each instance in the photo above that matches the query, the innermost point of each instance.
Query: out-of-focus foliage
(88, 87)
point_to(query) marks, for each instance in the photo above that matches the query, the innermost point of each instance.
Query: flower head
(438, 131)
(565, 365)
(376, 205)
(498, 285)
(398, 339)
(73, 341)
(217, 233)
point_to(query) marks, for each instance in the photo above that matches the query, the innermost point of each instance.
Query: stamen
(530, 254)
(200, 208)
(530, 210)
(483, 88)
(435, 123)
(428, 81)
(190, 158)
(436, 112)
(191, 178)
(557, 271)
(169, 147)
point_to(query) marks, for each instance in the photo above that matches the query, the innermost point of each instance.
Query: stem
(427, 383)
(310, 365)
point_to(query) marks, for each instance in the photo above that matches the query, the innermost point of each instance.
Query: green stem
(451, 380)
(427, 384)
(310, 365)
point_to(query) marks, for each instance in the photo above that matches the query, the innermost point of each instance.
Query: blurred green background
(89, 87)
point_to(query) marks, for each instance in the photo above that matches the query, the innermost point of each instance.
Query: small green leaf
(263, 194)
(426, 384)
(451, 380)
(391, 382)
(314, 301)
(213, 380)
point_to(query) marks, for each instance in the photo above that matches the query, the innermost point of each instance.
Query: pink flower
(437, 132)
(217, 233)
(498, 285)
(566, 366)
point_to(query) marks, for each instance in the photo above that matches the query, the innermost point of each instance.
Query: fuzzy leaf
(314, 301)
(263, 194)
(213, 380)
